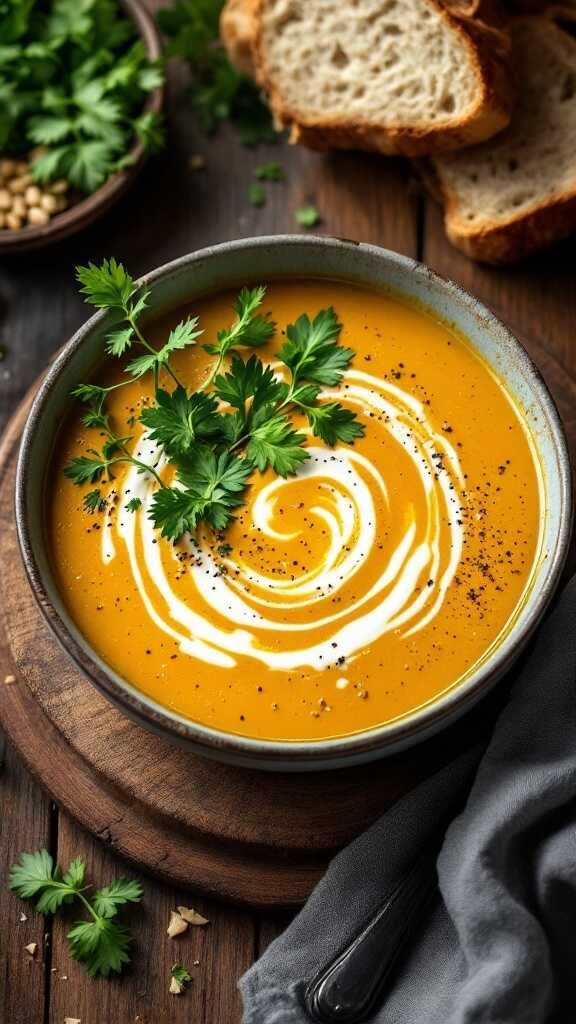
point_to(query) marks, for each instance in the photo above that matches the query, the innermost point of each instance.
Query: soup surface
(343, 597)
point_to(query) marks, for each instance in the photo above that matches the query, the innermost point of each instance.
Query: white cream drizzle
(408, 589)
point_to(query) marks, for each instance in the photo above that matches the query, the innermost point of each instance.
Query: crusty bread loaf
(395, 76)
(237, 31)
(517, 193)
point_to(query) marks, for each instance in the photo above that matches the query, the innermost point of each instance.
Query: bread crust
(237, 31)
(505, 241)
(488, 47)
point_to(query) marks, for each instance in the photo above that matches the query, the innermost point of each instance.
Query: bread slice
(517, 193)
(395, 76)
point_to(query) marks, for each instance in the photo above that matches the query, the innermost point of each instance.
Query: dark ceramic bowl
(83, 213)
(231, 264)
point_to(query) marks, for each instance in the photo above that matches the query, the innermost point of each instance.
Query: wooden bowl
(81, 214)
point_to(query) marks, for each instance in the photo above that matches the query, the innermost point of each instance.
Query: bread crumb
(31, 948)
(9, 679)
(176, 987)
(192, 916)
(22, 918)
(176, 925)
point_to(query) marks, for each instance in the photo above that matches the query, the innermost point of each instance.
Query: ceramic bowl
(231, 264)
(83, 213)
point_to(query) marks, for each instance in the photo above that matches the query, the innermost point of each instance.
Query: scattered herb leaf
(307, 216)
(101, 943)
(257, 195)
(271, 171)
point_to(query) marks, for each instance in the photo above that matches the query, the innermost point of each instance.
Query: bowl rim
(298, 755)
(83, 213)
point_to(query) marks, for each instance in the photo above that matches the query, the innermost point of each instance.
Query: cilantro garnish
(100, 943)
(238, 422)
(219, 92)
(74, 79)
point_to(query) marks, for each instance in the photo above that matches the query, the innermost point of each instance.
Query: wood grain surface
(171, 211)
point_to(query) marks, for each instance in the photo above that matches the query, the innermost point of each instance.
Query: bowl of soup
(352, 606)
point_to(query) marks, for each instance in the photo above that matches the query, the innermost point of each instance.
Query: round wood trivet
(252, 837)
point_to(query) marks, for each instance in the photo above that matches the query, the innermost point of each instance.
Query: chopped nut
(59, 187)
(31, 948)
(49, 202)
(13, 222)
(37, 216)
(177, 925)
(192, 916)
(5, 199)
(176, 987)
(19, 185)
(19, 206)
(32, 195)
(7, 167)
(22, 917)
(72, 1020)
(8, 680)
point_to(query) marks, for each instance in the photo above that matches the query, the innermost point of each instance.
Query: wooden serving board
(252, 837)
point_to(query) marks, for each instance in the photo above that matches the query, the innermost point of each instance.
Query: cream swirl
(290, 620)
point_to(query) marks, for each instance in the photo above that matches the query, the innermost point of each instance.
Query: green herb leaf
(311, 350)
(36, 876)
(180, 973)
(108, 286)
(275, 444)
(271, 171)
(92, 501)
(83, 470)
(332, 423)
(107, 900)
(247, 380)
(178, 420)
(307, 216)
(102, 945)
(133, 505)
(213, 488)
(257, 195)
(249, 330)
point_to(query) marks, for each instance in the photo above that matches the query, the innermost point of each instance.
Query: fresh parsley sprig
(75, 79)
(101, 943)
(239, 420)
(219, 92)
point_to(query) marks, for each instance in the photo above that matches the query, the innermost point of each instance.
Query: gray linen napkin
(498, 945)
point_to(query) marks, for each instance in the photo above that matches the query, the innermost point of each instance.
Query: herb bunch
(219, 91)
(239, 421)
(100, 942)
(74, 79)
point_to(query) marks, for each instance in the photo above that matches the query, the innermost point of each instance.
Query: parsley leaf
(212, 487)
(275, 443)
(257, 195)
(219, 92)
(108, 286)
(177, 420)
(247, 380)
(74, 78)
(271, 171)
(107, 900)
(307, 216)
(333, 423)
(311, 350)
(133, 505)
(100, 943)
(83, 470)
(250, 329)
(92, 501)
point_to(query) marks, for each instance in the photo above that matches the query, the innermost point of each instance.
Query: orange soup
(340, 598)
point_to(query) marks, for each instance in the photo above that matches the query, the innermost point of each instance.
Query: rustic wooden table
(173, 210)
